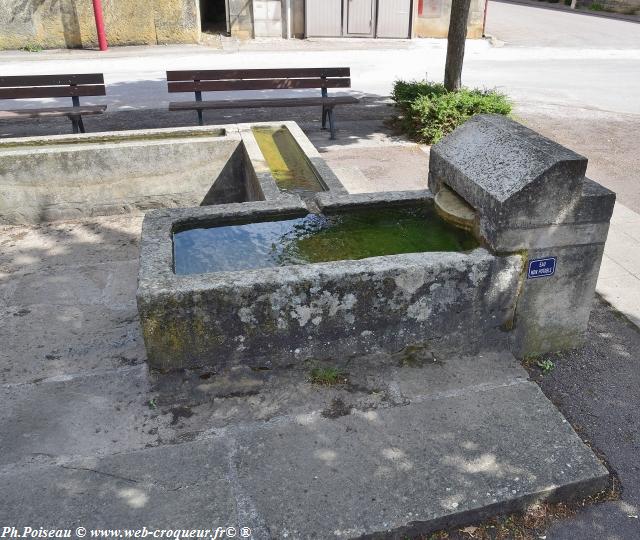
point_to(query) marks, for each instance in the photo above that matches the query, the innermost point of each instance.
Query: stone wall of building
(71, 23)
(431, 18)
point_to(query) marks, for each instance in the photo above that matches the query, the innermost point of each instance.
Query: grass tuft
(546, 366)
(327, 376)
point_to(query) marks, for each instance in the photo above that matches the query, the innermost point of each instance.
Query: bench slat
(52, 91)
(257, 103)
(61, 111)
(257, 84)
(51, 80)
(226, 74)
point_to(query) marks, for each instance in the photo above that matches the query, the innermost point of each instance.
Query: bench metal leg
(76, 120)
(324, 117)
(332, 124)
(200, 121)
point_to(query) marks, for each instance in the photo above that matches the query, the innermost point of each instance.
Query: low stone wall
(71, 24)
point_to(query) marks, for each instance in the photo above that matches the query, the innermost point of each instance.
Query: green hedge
(429, 111)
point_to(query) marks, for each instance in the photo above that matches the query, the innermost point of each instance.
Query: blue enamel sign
(542, 267)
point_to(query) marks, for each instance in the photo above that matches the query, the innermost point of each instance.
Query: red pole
(97, 11)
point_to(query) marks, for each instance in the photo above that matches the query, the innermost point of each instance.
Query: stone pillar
(531, 197)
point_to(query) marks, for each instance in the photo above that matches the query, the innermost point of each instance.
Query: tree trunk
(455, 44)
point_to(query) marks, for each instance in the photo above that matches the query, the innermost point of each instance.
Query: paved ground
(91, 438)
(609, 140)
(540, 24)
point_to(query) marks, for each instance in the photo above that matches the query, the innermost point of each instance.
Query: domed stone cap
(512, 176)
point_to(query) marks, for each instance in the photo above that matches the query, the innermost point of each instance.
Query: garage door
(323, 18)
(394, 18)
(360, 15)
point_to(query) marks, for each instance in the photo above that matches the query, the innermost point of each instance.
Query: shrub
(429, 111)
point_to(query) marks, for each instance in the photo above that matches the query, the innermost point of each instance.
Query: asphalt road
(539, 26)
(596, 388)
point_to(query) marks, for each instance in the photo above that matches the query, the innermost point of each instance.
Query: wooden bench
(53, 86)
(262, 79)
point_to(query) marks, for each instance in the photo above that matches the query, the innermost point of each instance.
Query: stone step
(454, 440)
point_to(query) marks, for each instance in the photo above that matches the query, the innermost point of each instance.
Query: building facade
(347, 18)
(70, 23)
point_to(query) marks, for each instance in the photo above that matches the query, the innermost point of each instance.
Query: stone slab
(67, 299)
(172, 487)
(49, 247)
(126, 409)
(407, 470)
(77, 416)
(464, 441)
(108, 284)
(47, 340)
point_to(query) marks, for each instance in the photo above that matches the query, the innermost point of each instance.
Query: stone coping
(228, 131)
(156, 275)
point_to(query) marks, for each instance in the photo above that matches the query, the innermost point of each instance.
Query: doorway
(213, 16)
(359, 15)
(358, 18)
(394, 19)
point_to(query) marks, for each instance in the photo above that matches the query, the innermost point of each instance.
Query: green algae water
(315, 238)
(288, 163)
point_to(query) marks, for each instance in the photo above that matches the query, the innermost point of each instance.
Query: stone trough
(279, 315)
(527, 286)
(74, 176)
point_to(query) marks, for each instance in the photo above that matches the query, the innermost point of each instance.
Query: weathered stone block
(531, 196)
(515, 176)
